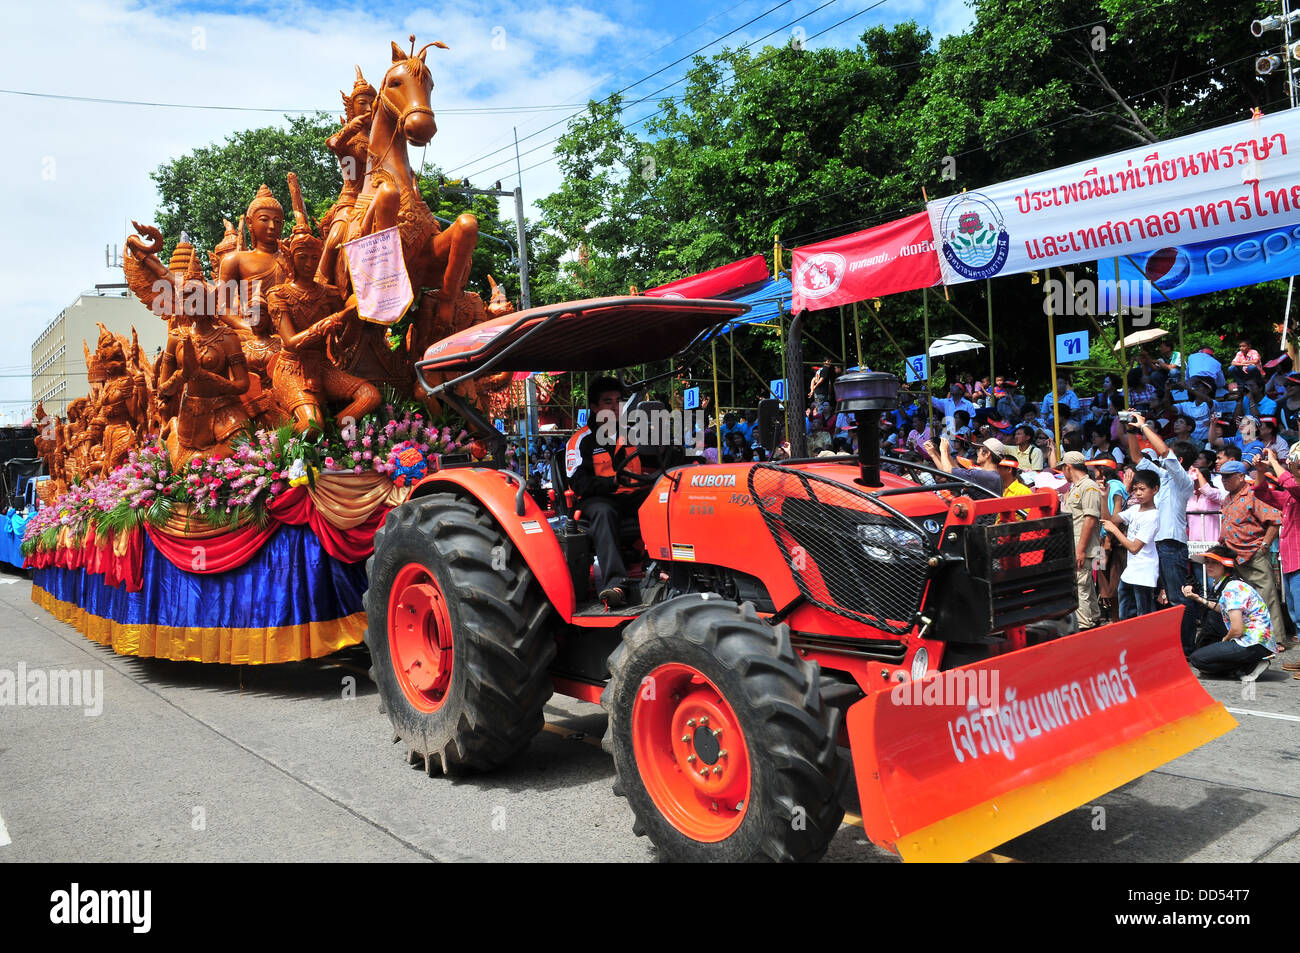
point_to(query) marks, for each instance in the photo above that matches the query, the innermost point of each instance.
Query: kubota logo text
(714, 479)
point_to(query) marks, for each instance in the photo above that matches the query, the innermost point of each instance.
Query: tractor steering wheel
(622, 474)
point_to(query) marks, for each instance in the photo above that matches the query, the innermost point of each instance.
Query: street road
(193, 762)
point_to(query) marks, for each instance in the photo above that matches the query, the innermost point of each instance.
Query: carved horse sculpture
(435, 257)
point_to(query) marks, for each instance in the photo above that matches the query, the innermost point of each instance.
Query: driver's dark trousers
(603, 515)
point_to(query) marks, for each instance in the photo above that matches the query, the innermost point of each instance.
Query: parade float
(217, 504)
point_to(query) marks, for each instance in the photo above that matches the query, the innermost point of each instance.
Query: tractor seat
(629, 527)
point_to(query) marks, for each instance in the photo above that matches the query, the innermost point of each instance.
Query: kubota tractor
(784, 613)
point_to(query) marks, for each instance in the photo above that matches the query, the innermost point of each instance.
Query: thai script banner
(379, 276)
(1196, 268)
(897, 256)
(1208, 186)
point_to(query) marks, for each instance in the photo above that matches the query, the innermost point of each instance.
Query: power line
(735, 73)
(558, 122)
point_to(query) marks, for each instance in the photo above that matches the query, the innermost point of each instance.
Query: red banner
(716, 281)
(887, 259)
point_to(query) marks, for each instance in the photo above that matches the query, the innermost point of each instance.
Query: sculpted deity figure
(122, 400)
(211, 377)
(305, 313)
(246, 276)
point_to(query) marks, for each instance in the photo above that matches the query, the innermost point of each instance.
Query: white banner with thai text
(379, 276)
(1210, 185)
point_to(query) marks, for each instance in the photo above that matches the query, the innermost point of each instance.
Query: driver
(599, 470)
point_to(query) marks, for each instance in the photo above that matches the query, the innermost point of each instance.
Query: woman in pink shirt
(1204, 508)
(1283, 491)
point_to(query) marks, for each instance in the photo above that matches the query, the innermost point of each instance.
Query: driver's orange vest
(602, 460)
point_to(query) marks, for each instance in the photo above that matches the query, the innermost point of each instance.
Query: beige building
(58, 361)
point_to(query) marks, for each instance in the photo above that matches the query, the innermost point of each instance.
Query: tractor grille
(848, 553)
(1028, 567)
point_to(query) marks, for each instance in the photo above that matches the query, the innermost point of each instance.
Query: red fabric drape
(213, 554)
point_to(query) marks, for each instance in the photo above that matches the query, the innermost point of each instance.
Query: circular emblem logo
(818, 275)
(930, 527)
(1167, 268)
(975, 239)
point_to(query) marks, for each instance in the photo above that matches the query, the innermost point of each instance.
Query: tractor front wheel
(721, 742)
(458, 635)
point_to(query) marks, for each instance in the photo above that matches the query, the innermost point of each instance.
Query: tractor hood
(591, 335)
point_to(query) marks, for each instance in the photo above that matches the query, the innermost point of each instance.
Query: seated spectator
(1138, 582)
(956, 400)
(1288, 408)
(1245, 358)
(1183, 428)
(1252, 400)
(1011, 405)
(1028, 456)
(1201, 407)
(1249, 643)
(1168, 363)
(1065, 395)
(1140, 392)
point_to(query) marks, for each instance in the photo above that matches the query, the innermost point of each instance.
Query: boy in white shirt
(1137, 585)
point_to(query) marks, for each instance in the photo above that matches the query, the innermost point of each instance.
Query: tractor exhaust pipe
(865, 394)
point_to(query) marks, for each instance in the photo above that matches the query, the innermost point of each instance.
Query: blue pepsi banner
(1197, 268)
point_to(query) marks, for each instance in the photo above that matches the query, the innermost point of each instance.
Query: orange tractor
(790, 619)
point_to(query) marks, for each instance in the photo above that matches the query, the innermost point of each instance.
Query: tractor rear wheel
(723, 746)
(458, 635)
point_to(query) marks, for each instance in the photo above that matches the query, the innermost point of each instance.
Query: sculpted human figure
(304, 313)
(123, 398)
(350, 144)
(246, 276)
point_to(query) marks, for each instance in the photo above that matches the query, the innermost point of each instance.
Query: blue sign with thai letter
(582, 417)
(691, 398)
(918, 369)
(1071, 347)
(778, 389)
(1181, 271)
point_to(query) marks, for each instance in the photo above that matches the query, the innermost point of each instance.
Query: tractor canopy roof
(591, 335)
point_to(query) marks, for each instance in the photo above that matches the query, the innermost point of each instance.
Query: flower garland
(232, 490)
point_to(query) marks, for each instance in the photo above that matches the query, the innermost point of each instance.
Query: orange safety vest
(602, 460)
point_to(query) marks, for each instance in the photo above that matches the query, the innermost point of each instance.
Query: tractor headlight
(920, 664)
(885, 543)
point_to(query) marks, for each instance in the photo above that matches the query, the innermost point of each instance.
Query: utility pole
(463, 187)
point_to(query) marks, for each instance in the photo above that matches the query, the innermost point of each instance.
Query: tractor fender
(531, 533)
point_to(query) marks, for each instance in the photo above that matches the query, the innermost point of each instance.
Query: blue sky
(82, 169)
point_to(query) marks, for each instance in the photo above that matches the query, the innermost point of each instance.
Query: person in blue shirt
(1246, 439)
(1203, 364)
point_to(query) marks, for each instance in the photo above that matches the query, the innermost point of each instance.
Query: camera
(1126, 416)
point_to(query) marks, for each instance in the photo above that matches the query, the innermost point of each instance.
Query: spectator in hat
(1115, 482)
(1244, 360)
(1204, 364)
(985, 472)
(1249, 528)
(1283, 493)
(1083, 501)
(1249, 643)
(1141, 522)
(1252, 400)
(1270, 438)
(1174, 489)
(1027, 455)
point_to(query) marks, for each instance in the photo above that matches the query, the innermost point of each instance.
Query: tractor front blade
(955, 764)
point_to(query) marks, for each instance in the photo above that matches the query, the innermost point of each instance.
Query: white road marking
(4, 834)
(1263, 714)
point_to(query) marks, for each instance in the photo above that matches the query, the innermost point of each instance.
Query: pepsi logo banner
(1181, 271)
(1205, 187)
(897, 256)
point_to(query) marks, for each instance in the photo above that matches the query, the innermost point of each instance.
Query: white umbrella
(953, 344)
(1143, 337)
